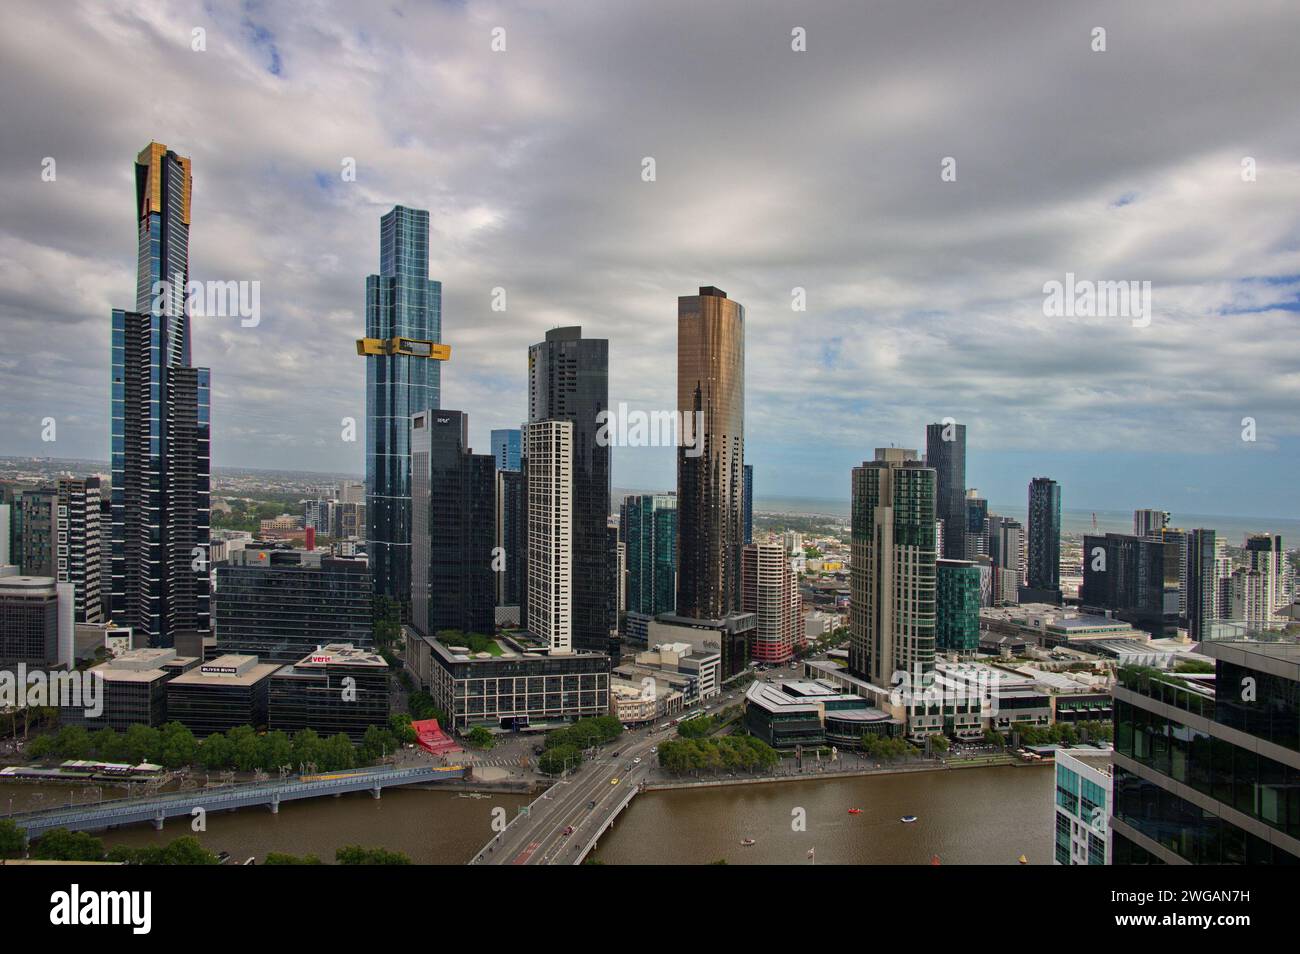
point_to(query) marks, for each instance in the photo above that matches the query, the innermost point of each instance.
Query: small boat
(855, 811)
(934, 859)
(747, 842)
(908, 819)
(1023, 860)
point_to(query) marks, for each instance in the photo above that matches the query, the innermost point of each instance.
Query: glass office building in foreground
(1207, 768)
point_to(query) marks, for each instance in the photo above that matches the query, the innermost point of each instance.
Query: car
(613, 781)
(568, 829)
(592, 803)
(654, 750)
(636, 761)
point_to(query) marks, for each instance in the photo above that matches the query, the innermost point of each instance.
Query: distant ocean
(1233, 529)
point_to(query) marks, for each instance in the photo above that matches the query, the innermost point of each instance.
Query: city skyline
(1109, 409)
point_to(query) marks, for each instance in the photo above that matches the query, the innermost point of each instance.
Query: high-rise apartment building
(548, 447)
(977, 530)
(1207, 569)
(1149, 523)
(568, 381)
(509, 536)
(453, 527)
(161, 424)
(1043, 563)
(37, 530)
(770, 590)
(77, 544)
(945, 451)
(1264, 553)
(1007, 556)
(402, 350)
(892, 580)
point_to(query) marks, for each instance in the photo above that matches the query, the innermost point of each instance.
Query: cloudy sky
(775, 169)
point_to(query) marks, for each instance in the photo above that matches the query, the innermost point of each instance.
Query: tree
(279, 858)
(480, 738)
(59, 844)
(12, 842)
(357, 855)
(938, 743)
(558, 758)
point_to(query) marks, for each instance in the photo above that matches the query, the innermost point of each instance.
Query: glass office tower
(161, 424)
(403, 325)
(649, 526)
(945, 451)
(506, 444)
(1043, 565)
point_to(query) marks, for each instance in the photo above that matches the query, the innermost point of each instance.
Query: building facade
(1136, 578)
(1207, 768)
(77, 555)
(957, 607)
(549, 543)
(648, 524)
(507, 448)
(1082, 809)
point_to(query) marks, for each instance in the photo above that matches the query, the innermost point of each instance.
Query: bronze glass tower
(711, 454)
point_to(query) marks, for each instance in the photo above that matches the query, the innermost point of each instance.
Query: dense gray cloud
(775, 169)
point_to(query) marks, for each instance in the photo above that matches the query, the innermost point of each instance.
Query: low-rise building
(812, 713)
(520, 684)
(133, 690)
(221, 694)
(337, 688)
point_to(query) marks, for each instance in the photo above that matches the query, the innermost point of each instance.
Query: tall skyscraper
(36, 530)
(1206, 571)
(748, 504)
(977, 530)
(506, 448)
(1043, 564)
(648, 523)
(1149, 523)
(453, 528)
(1006, 554)
(568, 381)
(945, 451)
(710, 478)
(1264, 553)
(770, 590)
(548, 447)
(161, 426)
(402, 351)
(77, 556)
(892, 577)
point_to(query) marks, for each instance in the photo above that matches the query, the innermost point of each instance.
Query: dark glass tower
(649, 527)
(1203, 581)
(1135, 577)
(948, 458)
(161, 426)
(454, 527)
(1043, 563)
(403, 329)
(568, 380)
(710, 479)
